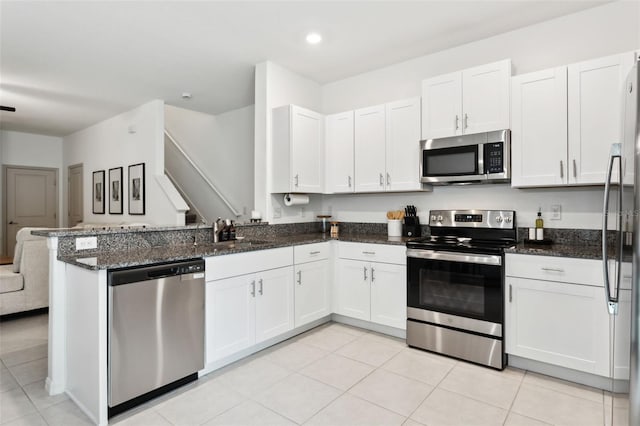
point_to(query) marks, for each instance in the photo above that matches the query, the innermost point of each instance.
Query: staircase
(205, 200)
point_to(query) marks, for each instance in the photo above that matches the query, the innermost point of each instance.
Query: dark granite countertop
(168, 253)
(582, 251)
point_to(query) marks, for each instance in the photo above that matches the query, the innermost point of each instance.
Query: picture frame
(136, 189)
(98, 192)
(115, 190)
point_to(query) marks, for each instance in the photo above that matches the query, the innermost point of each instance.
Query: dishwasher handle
(162, 273)
(193, 268)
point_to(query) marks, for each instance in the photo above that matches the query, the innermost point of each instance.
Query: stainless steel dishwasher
(156, 330)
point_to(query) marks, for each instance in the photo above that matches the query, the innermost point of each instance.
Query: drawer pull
(314, 252)
(552, 269)
(369, 252)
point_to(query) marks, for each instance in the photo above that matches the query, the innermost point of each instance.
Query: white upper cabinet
(442, 106)
(595, 120)
(539, 128)
(564, 121)
(298, 150)
(370, 142)
(403, 145)
(339, 162)
(469, 101)
(485, 97)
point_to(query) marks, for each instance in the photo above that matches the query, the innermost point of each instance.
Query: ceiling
(68, 65)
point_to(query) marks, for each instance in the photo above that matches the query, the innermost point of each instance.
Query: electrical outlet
(302, 211)
(86, 243)
(277, 212)
(556, 212)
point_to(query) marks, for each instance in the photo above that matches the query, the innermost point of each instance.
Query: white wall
(222, 147)
(277, 86)
(609, 29)
(132, 137)
(28, 149)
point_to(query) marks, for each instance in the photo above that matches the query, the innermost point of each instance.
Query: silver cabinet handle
(510, 293)
(296, 180)
(260, 290)
(373, 277)
(349, 179)
(299, 277)
(575, 169)
(253, 288)
(13, 223)
(369, 252)
(552, 269)
(313, 253)
(381, 179)
(561, 170)
(365, 273)
(388, 179)
(466, 120)
(456, 121)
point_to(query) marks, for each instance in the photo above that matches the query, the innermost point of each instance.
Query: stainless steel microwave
(476, 158)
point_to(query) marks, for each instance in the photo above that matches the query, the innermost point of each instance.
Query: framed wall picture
(115, 190)
(136, 189)
(98, 192)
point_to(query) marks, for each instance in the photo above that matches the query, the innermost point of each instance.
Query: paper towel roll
(295, 199)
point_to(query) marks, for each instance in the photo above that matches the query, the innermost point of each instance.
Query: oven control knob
(440, 218)
(433, 218)
(507, 219)
(499, 219)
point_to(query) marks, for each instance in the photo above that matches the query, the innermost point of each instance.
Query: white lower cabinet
(245, 310)
(556, 320)
(371, 291)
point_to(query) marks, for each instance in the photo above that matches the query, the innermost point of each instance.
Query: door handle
(456, 121)
(388, 179)
(253, 288)
(365, 273)
(299, 277)
(466, 120)
(349, 181)
(612, 301)
(373, 277)
(260, 282)
(381, 179)
(510, 293)
(13, 223)
(296, 180)
(561, 170)
(575, 169)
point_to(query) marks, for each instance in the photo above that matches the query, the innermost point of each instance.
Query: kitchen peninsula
(78, 320)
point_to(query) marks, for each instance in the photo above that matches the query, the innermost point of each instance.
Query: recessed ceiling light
(314, 38)
(186, 95)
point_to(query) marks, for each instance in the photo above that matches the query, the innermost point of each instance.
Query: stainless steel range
(455, 285)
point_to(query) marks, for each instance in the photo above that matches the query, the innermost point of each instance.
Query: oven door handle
(482, 259)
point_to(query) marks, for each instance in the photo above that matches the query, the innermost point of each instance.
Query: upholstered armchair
(24, 286)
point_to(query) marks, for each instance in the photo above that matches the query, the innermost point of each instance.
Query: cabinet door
(403, 145)
(307, 150)
(370, 149)
(442, 106)
(339, 161)
(389, 295)
(274, 303)
(353, 289)
(230, 316)
(485, 97)
(539, 128)
(558, 323)
(312, 296)
(595, 104)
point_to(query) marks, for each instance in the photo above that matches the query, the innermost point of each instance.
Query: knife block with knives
(411, 226)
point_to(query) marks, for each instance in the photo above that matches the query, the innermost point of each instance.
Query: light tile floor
(332, 375)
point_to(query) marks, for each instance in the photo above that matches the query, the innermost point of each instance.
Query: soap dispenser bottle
(539, 227)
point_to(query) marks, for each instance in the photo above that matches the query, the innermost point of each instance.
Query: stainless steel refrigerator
(621, 261)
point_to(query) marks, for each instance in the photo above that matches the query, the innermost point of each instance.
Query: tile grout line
(515, 397)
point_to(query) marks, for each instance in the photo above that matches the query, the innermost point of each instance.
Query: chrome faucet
(195, 235)
(217, 227)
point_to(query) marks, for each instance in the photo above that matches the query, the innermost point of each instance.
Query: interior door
(32, 200)
(75, 212)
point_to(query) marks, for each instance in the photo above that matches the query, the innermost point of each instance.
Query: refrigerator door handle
(612, 302)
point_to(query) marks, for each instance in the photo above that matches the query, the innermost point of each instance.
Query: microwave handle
(480, 159)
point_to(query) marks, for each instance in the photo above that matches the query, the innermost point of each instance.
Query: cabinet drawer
(231, 265)
(310, 252)
(373, 252)
(549, 268)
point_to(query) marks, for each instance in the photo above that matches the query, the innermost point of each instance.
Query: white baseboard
(384, 329)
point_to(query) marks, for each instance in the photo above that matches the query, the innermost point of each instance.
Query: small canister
(335, 229)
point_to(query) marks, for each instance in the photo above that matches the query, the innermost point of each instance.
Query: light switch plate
(556, 212)
(86, 243)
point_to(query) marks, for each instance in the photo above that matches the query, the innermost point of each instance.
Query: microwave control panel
(493, 157)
